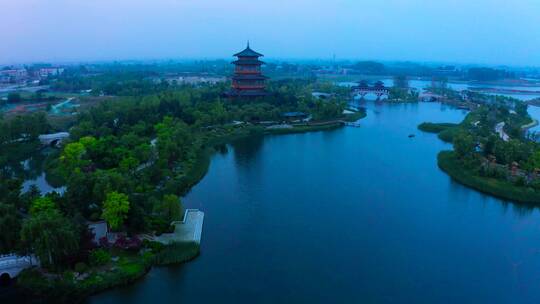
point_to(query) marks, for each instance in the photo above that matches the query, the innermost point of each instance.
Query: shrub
(125, 243)
(159, 225)
(80, 267)
(520, 181)
(178, 252)
(154, 246)
(99, 257)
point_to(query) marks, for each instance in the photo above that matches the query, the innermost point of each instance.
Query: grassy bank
(356, 116)
(305, 128)
(70, 286)
(176, 253)
(445, 131)
(503, 189)
(435, 127)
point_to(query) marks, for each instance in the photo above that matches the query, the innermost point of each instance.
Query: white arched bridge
(11, 265)
(53, 139)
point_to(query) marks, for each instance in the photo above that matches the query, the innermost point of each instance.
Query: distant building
(99, 229)
(195, 80)
(50, 72)
(13, 75)
(248, 80)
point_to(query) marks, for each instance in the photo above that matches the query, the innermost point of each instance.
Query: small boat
(411, 135)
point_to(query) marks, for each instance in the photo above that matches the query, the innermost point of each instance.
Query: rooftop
(248, 61)
(248, 52)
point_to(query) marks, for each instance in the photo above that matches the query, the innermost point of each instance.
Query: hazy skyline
(481, 31)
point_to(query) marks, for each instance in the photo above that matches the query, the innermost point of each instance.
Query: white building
(48, 72)
(13, 75)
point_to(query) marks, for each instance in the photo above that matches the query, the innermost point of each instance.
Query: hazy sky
(467, 31)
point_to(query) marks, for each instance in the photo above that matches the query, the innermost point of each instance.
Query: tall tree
(170, 208)
(10, 226)
(115, 209)
(50, 236)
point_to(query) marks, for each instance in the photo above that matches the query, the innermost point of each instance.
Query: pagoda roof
(248, 52)
(248, 61)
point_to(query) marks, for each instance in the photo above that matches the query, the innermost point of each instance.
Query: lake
(348, 216)
(460, 86)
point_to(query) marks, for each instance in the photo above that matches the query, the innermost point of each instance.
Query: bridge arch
(5, 278)
(53, 139)
(55, 142)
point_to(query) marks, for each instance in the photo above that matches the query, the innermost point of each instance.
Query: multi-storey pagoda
(248, 80)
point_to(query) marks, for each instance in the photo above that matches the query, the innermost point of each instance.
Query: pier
(187, 230)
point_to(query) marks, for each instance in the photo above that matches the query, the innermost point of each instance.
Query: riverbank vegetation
(435, 127)
(492, 152)
(499, 187)
(127, 161)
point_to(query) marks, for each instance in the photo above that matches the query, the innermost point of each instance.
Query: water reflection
(357, 213)
(246, 150)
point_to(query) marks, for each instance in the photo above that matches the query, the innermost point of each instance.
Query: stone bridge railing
(12, 264)
(49, 139)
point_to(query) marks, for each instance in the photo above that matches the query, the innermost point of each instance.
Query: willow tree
(10, 225)
(50, 236)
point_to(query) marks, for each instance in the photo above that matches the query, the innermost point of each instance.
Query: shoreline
(501, 189)
(79, 294)
(530, 125)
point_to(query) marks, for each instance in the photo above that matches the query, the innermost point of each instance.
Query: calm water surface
(424, 84)
(349, 216)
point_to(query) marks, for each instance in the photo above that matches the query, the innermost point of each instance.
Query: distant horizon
(482, 32)
(266, 59)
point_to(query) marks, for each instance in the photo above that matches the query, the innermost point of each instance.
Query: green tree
(10, 226)
(115, 209)
(170, 208)
(174, 138)
(401, 82)
(464, 145)
(42, 204)
(521, 109)
(71, 157)
(534, 161)
(128, 164)
(50, 236)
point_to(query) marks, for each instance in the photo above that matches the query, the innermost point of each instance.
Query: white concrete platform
(187, 230)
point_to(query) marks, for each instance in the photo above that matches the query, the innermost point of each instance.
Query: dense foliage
(493, 152)
(130, 158)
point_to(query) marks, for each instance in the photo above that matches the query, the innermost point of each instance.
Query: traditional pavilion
(248, 80)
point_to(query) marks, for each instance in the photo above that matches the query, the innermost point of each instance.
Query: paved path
(499, 128)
